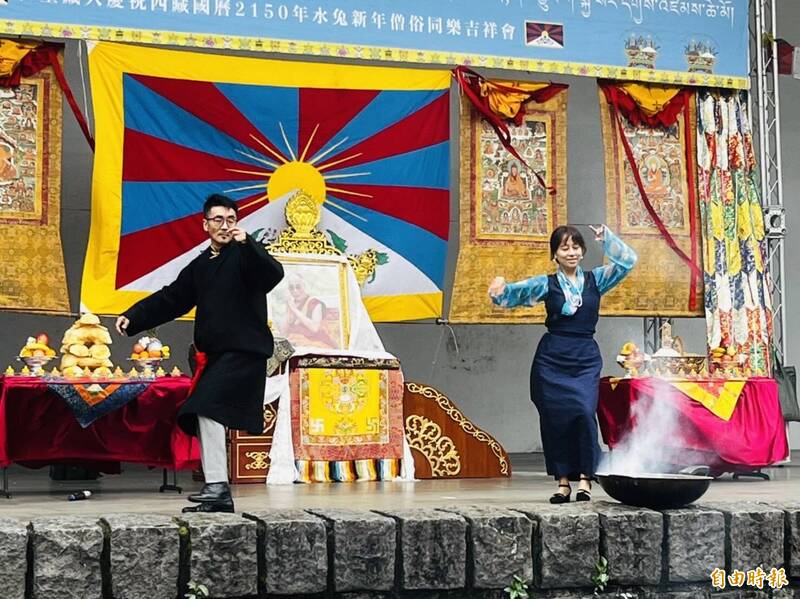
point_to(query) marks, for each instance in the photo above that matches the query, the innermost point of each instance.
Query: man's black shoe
(220, 506)
(212, 493)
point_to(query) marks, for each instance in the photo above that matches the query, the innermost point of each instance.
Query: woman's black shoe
(582, 494)
(560, 497)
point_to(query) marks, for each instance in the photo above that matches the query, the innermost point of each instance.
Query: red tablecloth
(755, 435)
(38, 428)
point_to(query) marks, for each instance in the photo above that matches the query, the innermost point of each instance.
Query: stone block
(791, 528)
(144, 555)
(66, 558)
(566, 543)
(364, 546)
(786, 593)
(631, 540)
(223, 554)
(695, 543)
(433, 549)
(13, 558)
(501, 545)
(295, 551)
(755, 534)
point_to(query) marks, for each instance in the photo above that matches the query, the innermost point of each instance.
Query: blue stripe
(146, 204)
(421, 248)
(265, 106)
(148, 112)
(386, 109)
(428, 167)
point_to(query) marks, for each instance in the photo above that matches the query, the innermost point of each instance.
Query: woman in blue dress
(566, 368)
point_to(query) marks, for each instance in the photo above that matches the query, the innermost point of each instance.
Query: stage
(136, 491)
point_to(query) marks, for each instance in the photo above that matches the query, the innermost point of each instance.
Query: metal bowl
(142, 363)
(678, 364)
(655, 491)
(36, 363)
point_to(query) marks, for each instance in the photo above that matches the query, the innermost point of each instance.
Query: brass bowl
(690, 364)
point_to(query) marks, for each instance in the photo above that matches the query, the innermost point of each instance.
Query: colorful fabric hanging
(737, 300)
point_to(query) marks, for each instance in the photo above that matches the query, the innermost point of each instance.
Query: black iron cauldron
(655, 491)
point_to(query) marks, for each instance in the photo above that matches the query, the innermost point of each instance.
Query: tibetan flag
(371, 144)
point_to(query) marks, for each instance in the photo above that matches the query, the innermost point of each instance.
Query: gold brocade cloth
(346, 414)
(33, 276)
(661, 283)
(506, 216)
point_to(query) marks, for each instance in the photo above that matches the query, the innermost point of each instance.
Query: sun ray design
(308, 143)
(243, 172)
(352, 193)
(257, 158)
(258, 200)
(268, 149)
(286, 141)
(245, 188)
(335, 162)
(343, 209)
(319, 157)
(343, 176)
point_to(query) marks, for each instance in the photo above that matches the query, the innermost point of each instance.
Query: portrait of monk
(514, 186)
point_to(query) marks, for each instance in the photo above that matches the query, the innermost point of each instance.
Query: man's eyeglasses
(218, 221)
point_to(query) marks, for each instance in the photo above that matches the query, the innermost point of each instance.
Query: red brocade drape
(38, 428)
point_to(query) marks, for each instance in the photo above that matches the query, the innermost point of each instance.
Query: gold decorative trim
(459, 418)
(348, 362)
(260, 460)
(303, 214)
(425, 436)
(360, 52)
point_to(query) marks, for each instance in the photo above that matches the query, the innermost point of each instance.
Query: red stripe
(429, 209)
(144, 251)
(428, 126)
(331, 109)
(206, 102)
(148, 158)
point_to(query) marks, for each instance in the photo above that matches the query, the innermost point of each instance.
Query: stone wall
(473, 551)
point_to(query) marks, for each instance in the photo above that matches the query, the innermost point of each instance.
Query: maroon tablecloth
(755, 435)
(38, 428)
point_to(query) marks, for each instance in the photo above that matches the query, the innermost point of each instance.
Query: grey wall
(483, 368)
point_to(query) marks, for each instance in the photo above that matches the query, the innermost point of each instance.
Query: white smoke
(653, 441)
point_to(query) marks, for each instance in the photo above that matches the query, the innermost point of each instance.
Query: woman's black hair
(562, 233)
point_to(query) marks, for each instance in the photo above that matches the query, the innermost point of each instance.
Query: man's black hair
(217, 199)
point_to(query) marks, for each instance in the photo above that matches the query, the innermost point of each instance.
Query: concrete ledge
(460, 551)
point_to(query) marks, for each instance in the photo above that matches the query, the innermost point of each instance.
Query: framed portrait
(309, 307)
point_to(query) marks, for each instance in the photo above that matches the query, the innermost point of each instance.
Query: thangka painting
(33, 276)
(506, 213)
(662, 283)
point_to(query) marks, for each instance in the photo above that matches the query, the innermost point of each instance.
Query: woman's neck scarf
(573, 291)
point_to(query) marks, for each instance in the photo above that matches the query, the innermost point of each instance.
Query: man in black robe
(227, 283)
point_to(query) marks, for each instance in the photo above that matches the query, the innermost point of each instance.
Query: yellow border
(380, 53)
(108, 62)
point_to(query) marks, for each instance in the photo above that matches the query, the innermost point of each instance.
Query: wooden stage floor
(136, 490)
